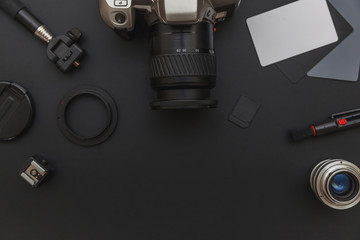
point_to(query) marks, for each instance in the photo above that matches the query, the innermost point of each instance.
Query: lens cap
(15, 110)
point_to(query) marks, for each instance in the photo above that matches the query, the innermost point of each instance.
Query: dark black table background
(169, 175)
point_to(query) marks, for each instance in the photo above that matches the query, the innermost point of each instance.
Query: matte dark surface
(11, 7)
(170, 175)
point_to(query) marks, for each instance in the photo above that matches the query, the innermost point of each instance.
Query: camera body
(183, 63)
(120, 14)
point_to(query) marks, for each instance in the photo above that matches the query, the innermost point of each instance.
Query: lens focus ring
(190, 64)
(326, 184)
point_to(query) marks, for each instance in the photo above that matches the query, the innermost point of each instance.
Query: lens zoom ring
(190, 64)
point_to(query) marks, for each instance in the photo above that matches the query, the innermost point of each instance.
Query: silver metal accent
(109, 11)
(320, 182)
(44, 34)
(181, 11)
(221, 15)
(76, 64)
(28, 179)
(38, 167)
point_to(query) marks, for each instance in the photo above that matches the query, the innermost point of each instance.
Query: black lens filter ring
(111, 122)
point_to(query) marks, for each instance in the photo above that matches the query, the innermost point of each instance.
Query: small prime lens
(336, 183)
(183, 66)
(341, 184)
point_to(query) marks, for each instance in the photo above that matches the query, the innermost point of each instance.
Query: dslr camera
(183, 60)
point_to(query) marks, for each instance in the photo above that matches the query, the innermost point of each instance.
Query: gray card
(344, 61)
(291, 30)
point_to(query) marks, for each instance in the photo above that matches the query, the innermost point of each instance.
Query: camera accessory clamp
(63, 50)
(111, 122)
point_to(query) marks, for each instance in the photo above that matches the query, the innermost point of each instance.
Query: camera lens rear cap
(15, 111)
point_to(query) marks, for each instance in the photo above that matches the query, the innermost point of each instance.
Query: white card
(291, 30)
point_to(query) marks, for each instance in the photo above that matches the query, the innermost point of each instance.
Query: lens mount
(321, 183)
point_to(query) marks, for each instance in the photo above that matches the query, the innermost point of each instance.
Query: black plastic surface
(15, 111)
(28, 20)
(302, 134)
(244, 112)
(11, 7)
(171, 175)
(64, 51)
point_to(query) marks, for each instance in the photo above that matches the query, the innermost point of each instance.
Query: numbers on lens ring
(211, 51)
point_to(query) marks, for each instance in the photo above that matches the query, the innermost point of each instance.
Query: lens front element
(341, 184)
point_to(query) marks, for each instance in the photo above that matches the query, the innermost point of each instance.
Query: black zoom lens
(183, 66)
